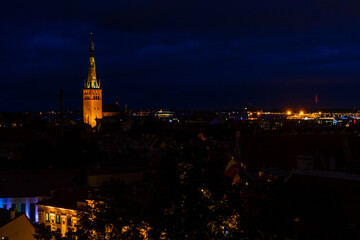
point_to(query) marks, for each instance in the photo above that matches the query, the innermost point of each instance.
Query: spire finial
(91, 44)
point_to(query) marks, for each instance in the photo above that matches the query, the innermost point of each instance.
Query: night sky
(188, 54)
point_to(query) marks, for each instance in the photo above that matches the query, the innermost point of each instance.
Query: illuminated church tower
(92, 93)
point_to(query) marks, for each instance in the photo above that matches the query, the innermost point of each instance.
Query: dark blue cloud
(181, 54)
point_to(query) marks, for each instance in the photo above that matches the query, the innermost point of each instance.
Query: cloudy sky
(188, 54)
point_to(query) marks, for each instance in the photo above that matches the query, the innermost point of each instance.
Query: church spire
(92, 81)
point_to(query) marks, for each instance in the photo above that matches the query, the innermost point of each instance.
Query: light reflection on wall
(30, 210)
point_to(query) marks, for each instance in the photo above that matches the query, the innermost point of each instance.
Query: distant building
(164, 114)
(92, 93)
(111, 110)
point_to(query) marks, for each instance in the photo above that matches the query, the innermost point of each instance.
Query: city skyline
(188, 55)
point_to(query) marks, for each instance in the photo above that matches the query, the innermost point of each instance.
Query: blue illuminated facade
(25, 205)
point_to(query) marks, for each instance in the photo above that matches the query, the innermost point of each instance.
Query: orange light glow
(301, 112)
(288, 112)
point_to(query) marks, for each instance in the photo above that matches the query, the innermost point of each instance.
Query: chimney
(12, 213)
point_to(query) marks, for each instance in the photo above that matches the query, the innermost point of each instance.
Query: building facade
(23, 204)
(59, 218)
(92, 93)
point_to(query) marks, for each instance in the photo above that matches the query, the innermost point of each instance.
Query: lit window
(57, 218)
(47, 218)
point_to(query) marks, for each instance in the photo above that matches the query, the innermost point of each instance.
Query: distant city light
(301, 112)
(288, 112)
